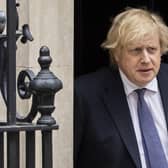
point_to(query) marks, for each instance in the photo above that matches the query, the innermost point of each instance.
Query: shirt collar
(129, 86)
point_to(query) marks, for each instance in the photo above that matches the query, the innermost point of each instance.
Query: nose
(145, 56)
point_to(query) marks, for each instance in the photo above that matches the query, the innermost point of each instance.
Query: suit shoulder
(92, 80)
(164, 68)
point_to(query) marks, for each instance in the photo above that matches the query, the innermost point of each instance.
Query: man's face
(140, 61)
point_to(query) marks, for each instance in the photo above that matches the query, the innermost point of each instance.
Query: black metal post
(30, 149)
(1, 150)
(12, 137)
(13, 156)
(11, 57)
(47, 149)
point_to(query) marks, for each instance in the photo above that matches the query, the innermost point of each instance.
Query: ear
(116, 56)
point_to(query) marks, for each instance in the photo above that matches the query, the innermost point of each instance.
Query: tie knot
(140, 92)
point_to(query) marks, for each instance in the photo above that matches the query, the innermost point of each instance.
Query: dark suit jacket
(103, 132)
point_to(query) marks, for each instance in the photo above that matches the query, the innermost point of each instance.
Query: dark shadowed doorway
(92, 20)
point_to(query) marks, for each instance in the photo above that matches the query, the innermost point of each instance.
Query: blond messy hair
(132, 25)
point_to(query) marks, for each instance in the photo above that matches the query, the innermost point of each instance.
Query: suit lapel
(114, 98)
(163, 87)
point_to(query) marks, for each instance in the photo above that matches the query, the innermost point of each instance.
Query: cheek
(156, 61)
(128, 67)
(131, 64)
(127, 63)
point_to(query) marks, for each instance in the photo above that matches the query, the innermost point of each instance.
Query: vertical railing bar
(1, 149)
(47, 149)
(13, 155)
(11, 57)
(30, 149)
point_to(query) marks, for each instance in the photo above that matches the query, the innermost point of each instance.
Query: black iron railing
(41, 87)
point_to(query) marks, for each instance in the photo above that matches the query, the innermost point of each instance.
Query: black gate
(41, 88)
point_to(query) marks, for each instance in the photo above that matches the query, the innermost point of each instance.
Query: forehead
(146, 40)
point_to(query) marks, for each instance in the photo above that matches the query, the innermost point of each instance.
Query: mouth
(145, 70)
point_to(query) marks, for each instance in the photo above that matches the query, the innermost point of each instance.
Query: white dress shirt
(153, 100)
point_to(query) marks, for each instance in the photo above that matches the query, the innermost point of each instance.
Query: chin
(145, 80)
(143, 83)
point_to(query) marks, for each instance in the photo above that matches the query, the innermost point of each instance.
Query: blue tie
(154, 154)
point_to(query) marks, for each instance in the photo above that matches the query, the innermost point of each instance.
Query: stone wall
(51, 23)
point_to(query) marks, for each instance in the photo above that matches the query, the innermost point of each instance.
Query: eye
(136, 51)
(152, 50)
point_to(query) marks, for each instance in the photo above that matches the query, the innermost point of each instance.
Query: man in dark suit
(108, 131)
